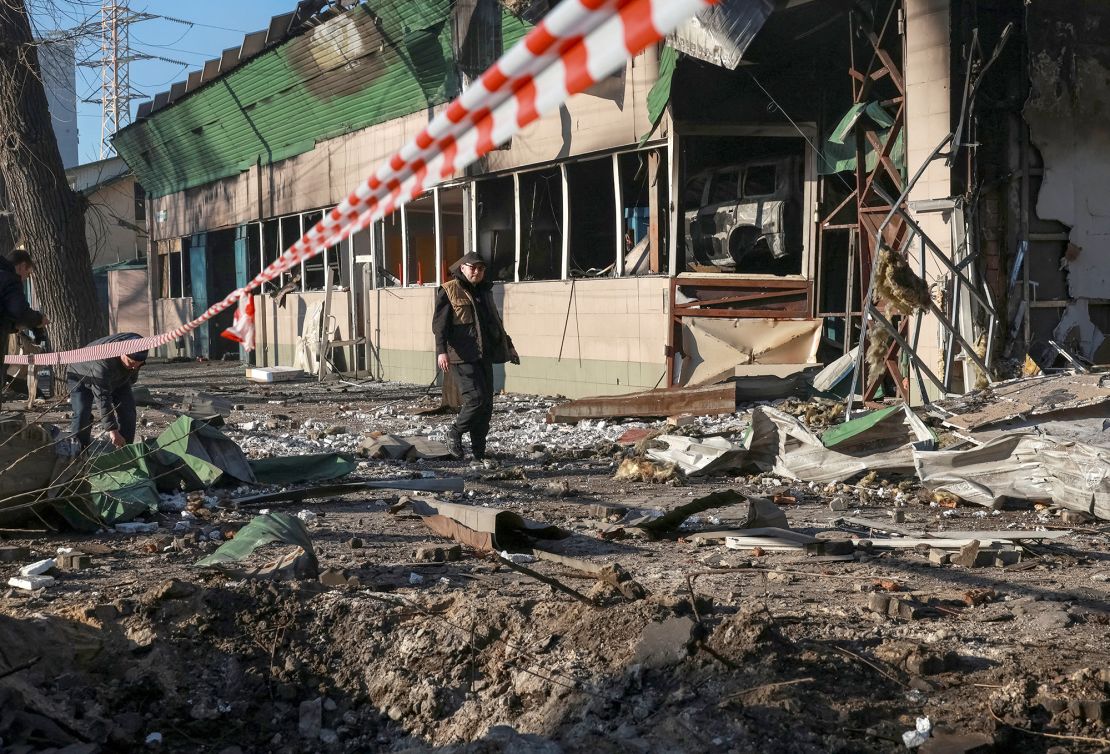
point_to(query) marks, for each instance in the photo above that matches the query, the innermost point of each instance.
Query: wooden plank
(655, 244)
(701, 401)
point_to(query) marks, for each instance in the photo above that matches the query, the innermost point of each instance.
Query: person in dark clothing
(106, 382)
(15, 313)
(470, 339)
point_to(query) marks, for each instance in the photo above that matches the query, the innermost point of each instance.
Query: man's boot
(478, 447)
(454, 442)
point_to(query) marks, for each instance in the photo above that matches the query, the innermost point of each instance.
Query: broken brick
(967, 555)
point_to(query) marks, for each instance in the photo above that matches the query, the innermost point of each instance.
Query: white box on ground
(273, 374)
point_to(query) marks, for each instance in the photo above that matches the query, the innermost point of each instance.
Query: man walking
(107, 382)
(15, 313)
(470, 339)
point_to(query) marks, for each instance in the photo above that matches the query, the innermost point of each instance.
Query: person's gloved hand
(514, 357)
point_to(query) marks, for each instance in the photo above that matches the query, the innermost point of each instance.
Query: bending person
(106, 382)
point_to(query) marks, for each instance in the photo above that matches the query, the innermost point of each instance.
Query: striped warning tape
(577, 44)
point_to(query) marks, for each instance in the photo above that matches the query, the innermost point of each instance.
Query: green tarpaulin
(190, 455)
(660, 93)
(262, 530)
(839, 153)
(121, 487)
(301, 469)
(207, 455)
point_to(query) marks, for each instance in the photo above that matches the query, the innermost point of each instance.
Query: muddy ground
(728, 651)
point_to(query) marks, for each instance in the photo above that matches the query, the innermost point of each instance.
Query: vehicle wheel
(743, 242)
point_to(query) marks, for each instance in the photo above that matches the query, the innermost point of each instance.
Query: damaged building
(774, 183)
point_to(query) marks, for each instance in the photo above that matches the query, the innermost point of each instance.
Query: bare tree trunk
(49, 215)
(8, 234)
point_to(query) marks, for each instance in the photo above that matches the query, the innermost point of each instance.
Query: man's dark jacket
(466, 323)
(15, 312)
(105, 377)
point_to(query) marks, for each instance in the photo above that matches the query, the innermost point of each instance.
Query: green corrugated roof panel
(382, 60)
(513, 30)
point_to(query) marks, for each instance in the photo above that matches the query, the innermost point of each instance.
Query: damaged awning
(721, 34)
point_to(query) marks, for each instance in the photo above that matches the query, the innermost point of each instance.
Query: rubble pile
(699, 583)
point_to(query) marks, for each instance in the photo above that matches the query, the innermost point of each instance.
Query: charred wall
(1068, 114)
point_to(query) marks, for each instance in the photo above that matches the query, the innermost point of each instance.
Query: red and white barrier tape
(577, 44)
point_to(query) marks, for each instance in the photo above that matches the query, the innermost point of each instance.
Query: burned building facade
(770, 186)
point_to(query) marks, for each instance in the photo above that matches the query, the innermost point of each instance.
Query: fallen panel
(274, 374)
(879, 431)
(769, 387)
(835, 375)
(696, 456)
(450, 484)
(781, 444)
(702, 401)
(485, 529)
(1036, 396)
(714, 348)
(770, 538)
(1023, 466)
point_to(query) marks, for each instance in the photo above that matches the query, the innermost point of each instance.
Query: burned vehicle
(746, 217)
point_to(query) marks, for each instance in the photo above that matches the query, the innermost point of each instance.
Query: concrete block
(31, 583)
(76, 561)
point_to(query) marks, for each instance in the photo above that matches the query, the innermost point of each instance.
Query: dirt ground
(730, 651)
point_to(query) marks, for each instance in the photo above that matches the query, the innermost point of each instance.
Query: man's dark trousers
(475, 381)
(81, 398)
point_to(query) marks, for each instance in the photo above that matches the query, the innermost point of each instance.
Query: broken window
(389, 246)
(290, 233)
(452, 226)
(271, 248)
(742, 204)
(314, 267)
(420, 224)
(593, 235)
(759, 180)
(541, 213)
(724, 187)
(497, 227)
(254, 249)
(643, 189)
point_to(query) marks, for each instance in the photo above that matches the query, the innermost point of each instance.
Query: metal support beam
(439, 237)
(518, 228)
(565, 250)
(618, 203)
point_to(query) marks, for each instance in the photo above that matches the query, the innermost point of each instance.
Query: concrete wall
(169, 314)
(128, 301)
(927, 72)
(592, 337)
(110, 239)
(277, 329)
(1067, 112)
